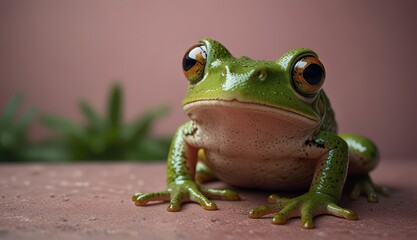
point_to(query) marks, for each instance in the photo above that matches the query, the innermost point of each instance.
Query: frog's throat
(274, 111)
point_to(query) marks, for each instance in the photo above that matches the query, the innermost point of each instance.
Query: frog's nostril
(261, 74)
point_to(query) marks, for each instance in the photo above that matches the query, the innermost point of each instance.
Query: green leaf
(101, 138)
(142, 126)
(94, 120)
(148, 150)
(24, 121)
(114, 107)
(42, 152)
(61, 125)
(8, 140)
(11, 107)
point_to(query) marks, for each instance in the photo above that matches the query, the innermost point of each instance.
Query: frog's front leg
(182, 187)
(363, 158)
(325, 190)
(203, 172)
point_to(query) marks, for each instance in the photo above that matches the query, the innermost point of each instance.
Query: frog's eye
(308, 76)
(194, 62)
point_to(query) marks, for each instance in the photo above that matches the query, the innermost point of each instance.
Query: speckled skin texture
(261, 127)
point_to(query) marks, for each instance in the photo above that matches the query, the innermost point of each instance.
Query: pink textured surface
(92, 201)
(59, 51)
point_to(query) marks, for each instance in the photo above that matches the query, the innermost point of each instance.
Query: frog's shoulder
(329, 121)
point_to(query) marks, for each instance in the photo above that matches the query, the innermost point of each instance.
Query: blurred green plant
(99, 138)
(14, 144)
(108, 138)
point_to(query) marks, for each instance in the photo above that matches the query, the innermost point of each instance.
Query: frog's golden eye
(194, 62)
(308, 76)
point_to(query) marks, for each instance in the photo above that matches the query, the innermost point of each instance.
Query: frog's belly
(270, 174)
(254, 146)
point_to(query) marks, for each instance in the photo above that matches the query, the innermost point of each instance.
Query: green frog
(263, 125)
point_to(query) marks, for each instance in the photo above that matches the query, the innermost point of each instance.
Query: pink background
(57, 52)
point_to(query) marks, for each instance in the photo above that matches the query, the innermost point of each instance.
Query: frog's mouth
(274, 112)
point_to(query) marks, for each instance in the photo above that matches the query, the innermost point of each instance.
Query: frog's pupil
(188, 62)
(313, 74)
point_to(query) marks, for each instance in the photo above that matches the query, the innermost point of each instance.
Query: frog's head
(290, 86)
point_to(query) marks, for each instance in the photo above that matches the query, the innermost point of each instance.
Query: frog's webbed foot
(185, 191)
(306, 206)
(363, 185)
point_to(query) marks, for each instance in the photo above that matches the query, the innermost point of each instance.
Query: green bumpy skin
(229, 101)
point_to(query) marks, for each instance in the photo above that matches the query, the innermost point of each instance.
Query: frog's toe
(306, 206)
(289, 211)
(307, 215)
(263, 210)
(307, 223)
(308, 212)
(285, 209)
(220, 194)
(276, 203)
(142, 199)
(208, 205)
(363, 184)
(384, 191)
(177, 198)
(136, 195)
(279, 218)
(275, 198)
(371, 196)
(190, 192)
(364, 188)
(355, 193)
(371, 191)
(334, 209)
(202, 200)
